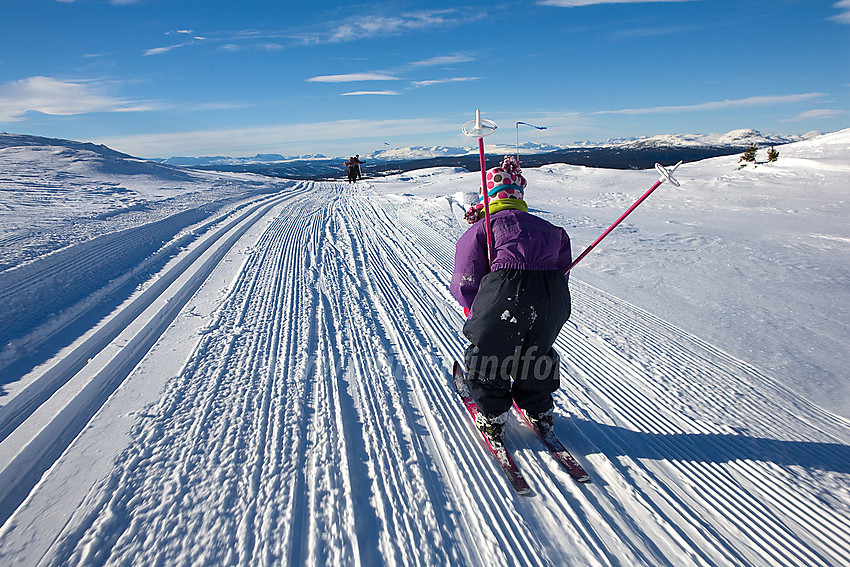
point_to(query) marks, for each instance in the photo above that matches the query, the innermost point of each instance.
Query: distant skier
(352, 168)
(516, 304)
(357, 164)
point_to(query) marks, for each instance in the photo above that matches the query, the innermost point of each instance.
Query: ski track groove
(14, 412)
(744, 510)
(315, 423)
(33, 443)
(391, 367)
(624, 397)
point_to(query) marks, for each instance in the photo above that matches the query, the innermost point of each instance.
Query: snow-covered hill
(22, 140)
(741, 138)
(58, 192)
(263, 377)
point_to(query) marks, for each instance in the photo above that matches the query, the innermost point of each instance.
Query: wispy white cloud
(60, 98)
(390, 76)
(576, 3)
(166, 49)
(233, 47)
(352, 78)
(205, 106)
(416, 84)
(366, 26)
(116, 2)
(651, 31)
(444, 60)
(815, 114)
(361, 27)
(715, 105)
(195, 40)
(844, 16)
(380, 93)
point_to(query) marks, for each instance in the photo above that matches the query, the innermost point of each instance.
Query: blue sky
(159, 78)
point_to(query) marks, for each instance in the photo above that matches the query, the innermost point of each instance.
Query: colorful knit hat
(503, 182)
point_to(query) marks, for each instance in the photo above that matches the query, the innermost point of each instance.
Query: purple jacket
(522, 241)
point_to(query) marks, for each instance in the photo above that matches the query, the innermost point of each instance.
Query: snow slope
(280, 393)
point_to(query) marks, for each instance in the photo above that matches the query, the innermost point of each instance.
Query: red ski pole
(665, 176)
(479, 129)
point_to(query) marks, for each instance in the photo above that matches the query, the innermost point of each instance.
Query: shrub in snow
(750, 154)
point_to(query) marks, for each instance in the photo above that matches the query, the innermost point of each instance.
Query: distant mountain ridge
(626, 153)
(735, 139)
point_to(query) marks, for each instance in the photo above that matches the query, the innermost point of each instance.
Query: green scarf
(504, 205)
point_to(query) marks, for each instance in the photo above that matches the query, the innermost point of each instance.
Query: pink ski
(558, 450)
(503, 457)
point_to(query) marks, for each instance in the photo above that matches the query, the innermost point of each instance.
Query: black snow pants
(516, 317)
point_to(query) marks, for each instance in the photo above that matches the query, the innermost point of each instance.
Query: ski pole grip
(479, 127)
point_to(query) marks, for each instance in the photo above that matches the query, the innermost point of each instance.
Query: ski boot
(492, 426)
(544, 422)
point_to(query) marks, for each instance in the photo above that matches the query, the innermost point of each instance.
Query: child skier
(516, 303)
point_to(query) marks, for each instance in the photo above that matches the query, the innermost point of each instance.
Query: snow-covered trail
(315, 423)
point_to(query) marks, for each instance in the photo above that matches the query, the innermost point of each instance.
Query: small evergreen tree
(772, 154)
(749, 154)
